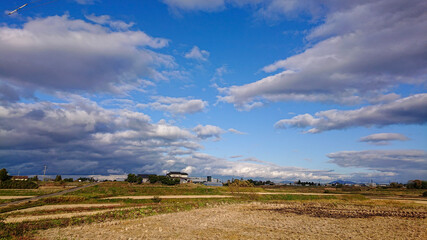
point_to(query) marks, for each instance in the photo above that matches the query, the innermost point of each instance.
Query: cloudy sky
(267, 89)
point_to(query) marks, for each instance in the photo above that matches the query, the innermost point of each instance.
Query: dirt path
(49, 195)
(402, 200)
(15, 197)
(66, 206)
(171, 196)
(248, 221)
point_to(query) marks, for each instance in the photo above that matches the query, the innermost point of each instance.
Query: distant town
(174, 178)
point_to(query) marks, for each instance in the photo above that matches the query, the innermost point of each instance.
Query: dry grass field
(260, 221)
(118, 210)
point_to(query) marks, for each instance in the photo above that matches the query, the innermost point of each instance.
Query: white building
(183, 177)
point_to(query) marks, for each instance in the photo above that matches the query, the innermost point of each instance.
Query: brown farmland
(261, 221)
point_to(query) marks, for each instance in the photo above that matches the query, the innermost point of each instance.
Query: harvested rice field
(261, 221)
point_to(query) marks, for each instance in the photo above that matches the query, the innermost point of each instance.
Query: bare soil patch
(332, 211)
(252, 221)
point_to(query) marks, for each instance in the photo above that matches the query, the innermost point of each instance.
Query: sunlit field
(150, 211)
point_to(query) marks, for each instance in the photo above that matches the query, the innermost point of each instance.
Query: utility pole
(44, 172)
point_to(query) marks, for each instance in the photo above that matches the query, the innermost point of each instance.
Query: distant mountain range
(342, 182)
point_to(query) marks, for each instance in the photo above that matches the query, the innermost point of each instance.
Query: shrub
(241, 183)
(156, 199)
(425, 194)
(396, 185)
(9, 184)
(417, 184)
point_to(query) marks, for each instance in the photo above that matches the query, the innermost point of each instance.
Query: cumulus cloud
(357, 54)
(62, 134)
(77, 136)
(407, 164)
(59, 53)
(252, 168)
(177, 105)
(383, 138)
(208, 131)
(409, 110)
(196, 53)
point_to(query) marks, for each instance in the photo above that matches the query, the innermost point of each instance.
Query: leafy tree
(139, 179)
(131, 178)
(153, 178)
(68, 180)
(85, 179)
(58, 178)
(417, 184)
(396, 185)
(35, 178)
(4, 175)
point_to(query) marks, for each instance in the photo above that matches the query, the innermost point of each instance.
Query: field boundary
(48, 195)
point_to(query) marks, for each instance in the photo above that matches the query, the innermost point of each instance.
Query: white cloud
(196, 53)
(218, 76)
(208, 131)
(77, 136)
(383, 138)
(359, 52)
(232, 130)
(106, 20)
(61, 134)
(177, 105)
(170, 132)
(60, 53)
(409, 164)
(188, 169)
(409, 110)
(253, 168)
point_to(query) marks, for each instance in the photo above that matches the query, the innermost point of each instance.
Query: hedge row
(9, 184)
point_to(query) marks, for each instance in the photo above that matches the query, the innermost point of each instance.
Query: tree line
(132, 178)
(6, 182)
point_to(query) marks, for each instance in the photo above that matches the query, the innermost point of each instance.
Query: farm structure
(183, 177)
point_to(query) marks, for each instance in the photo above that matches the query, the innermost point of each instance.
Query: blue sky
(273, 89)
